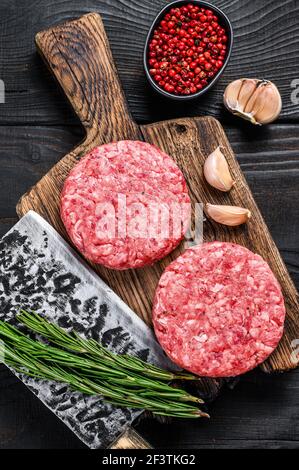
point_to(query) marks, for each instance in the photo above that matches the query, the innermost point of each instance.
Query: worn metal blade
(41, 272)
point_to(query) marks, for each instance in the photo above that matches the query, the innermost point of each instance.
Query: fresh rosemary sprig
(88, 367)
(94, 350)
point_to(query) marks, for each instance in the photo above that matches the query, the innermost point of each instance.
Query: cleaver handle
(130, 439)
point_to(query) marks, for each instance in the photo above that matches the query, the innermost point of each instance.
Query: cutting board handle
(78, 54)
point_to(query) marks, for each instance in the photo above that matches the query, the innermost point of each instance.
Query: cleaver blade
(41, 272)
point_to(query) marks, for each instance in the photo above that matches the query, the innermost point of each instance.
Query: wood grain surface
(79, 55)
(37, 126)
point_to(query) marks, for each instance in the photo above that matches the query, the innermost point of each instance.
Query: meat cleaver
(41, 272)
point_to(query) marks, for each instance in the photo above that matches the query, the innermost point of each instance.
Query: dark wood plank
(27, 153)
(6, 224)
(267, 37)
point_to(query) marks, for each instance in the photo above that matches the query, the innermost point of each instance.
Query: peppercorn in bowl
(187, 49)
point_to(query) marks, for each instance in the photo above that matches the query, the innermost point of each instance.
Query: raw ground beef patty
(218, 310)
(110, 202)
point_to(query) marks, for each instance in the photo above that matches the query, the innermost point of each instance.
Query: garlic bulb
(231, 216)
(217, 173)
(257, 101)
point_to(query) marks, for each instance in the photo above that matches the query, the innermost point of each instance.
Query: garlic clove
(231, 95)
(254, 105)
(272, 105)
(258, 101)
(231, 216)
(247, 90)
(217, 172)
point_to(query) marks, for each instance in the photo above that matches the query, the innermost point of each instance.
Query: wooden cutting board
(79, 56)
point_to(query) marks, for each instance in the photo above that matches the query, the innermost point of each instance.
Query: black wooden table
(37, 128)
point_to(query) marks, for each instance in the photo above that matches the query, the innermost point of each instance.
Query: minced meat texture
(219, 310)
(140, 174)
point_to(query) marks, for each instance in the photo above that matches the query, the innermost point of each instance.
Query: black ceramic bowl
(225, 22)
